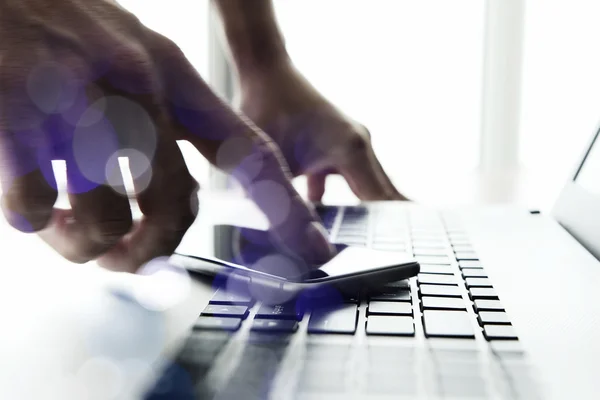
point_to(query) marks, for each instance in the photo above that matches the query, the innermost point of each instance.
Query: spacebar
(455, 324)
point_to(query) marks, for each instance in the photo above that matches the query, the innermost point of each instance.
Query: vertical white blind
(409, 70)
(561, 84)
(186, 23)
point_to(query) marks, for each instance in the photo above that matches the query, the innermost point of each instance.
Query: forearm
(253, 36)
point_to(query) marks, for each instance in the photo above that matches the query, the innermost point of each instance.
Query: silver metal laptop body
(507, 305)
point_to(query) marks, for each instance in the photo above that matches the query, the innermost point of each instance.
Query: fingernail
(320, 249)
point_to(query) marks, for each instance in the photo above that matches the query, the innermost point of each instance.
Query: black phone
(252, 257)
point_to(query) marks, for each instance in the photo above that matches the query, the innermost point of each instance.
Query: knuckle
(188, 202)
(270, 154)
(132, 68)
(177, 209)
(106, 233)
(77, 257)
(131, 54)
(166, 47)
(357, 144)
(29, 212)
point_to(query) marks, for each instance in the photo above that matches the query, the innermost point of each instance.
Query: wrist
(256, 49)
(254, 39)
(275, 76)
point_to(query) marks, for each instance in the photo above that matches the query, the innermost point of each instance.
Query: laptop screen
(578, 207)
(588, 176)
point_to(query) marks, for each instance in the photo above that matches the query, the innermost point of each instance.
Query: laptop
(506, 306)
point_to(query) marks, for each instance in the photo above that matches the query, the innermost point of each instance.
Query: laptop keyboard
(450, 309)
(452, 282)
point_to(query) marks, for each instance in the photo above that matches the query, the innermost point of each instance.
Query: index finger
(365, 175)
(231, 142)
(250, 157)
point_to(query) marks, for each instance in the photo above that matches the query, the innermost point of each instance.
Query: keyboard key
(279, 311)
(465, 365)
(463, 388)
(437, 269)
(466, 256)
(274, 325)
(434, 260)
(429, 244)
(458, 236)
(470, 264)
(499, 332)
(334, 320)
(488, 305)
(447, 324)
(493, 317)
(391, 308)
(460, 242)
(454, 227)
(443, 303)
(508, 350)
(358, 227)
(460, 248)
(440, 290)
(214, 323)
(391, 294)
(217, 310)
(403, 386)
(350, 242)
(252, 372)
(354, 211)
(427, 236)
(325, 211)
(312, 382)
(433, 279)
(403, 284)
(351, 297)
(388, 325)
(478, 282)
(474, 273)
(357, 221)
(394, 240)
(351, 237)
(199, 352)
(483, 293)
(390, 247)
(359, 230)
(222, 296)
(419, 252)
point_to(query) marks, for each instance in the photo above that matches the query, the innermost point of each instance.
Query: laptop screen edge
(577, 209)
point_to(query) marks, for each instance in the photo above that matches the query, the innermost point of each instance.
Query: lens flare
(272, 196)
(52, 87)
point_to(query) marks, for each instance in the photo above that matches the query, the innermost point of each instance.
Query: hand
(315, 137)
(84, 81)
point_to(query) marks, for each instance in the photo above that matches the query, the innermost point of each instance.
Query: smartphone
(251, 257)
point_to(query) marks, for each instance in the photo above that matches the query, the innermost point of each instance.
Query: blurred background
(467, 100)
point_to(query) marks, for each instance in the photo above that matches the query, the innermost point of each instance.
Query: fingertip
(316, 187)
(118, 259)
(320, 250)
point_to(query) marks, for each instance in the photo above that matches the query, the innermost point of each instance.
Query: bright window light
(409, 70)
(186, 23)
(561, 85)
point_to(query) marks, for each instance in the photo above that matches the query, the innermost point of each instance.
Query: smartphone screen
(249, 251)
